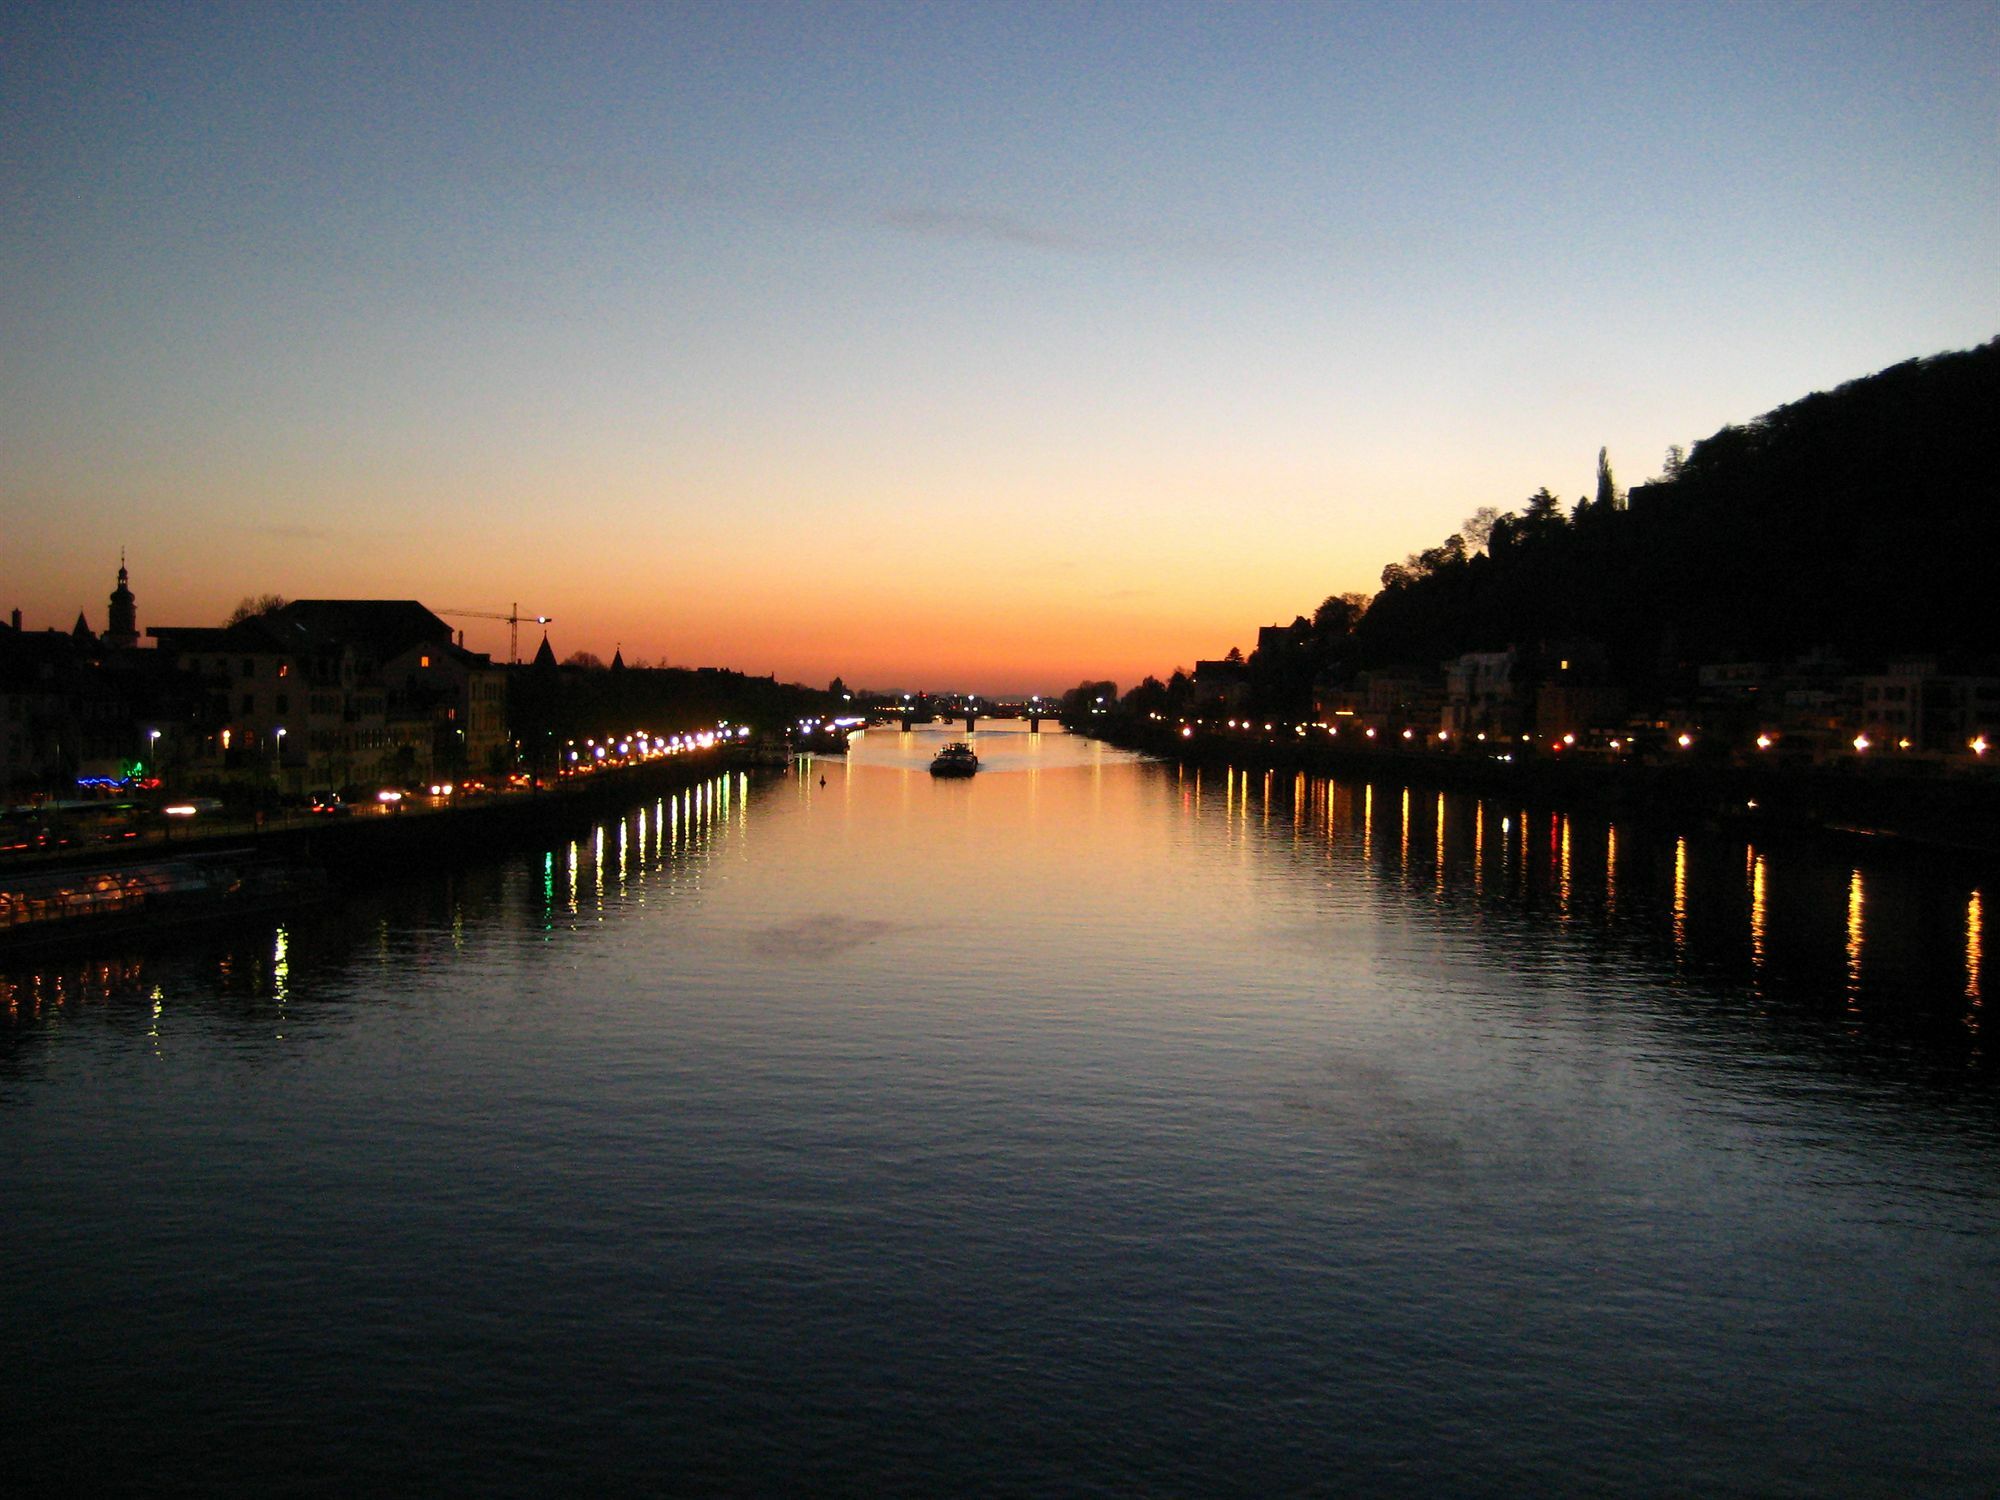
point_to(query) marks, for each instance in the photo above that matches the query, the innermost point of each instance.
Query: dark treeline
(1856, 521)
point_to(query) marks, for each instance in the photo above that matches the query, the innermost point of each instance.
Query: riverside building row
(317, 693)
(1818, 707)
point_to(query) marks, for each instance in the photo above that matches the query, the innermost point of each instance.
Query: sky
(978, 347)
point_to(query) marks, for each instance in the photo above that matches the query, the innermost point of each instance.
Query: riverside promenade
(1880, 805)
(374, 839)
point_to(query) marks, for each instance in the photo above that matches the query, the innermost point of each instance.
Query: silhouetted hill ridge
(1856, 520)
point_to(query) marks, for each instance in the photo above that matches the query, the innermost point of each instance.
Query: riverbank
(144, 890)
(359, 848)
(368, 841)
(1876, 807)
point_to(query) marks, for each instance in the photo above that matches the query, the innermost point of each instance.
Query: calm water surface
(1086, 1127)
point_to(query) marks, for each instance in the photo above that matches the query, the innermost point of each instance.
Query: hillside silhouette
(1858, 521)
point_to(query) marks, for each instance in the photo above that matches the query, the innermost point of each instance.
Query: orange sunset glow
(1080, 349)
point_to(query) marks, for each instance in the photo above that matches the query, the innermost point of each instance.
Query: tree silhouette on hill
(1854, 520)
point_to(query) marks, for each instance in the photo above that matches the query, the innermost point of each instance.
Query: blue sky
(981, 345)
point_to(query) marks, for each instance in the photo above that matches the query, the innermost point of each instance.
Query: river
(1086, 1127)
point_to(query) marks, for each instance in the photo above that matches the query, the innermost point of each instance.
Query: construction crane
(513, 617)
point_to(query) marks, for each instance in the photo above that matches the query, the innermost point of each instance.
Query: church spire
(121, 629)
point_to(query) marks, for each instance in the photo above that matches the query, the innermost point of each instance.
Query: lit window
(423, 661)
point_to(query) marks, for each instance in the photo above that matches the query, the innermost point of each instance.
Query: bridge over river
(925, 709)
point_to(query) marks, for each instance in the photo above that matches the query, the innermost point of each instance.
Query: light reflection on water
(1680, 894)
(1083, 1125)
(1757, 908)
(1856, 902)
(1974, 950)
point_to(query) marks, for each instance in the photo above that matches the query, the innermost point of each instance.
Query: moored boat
(65, 907)
(766, 752)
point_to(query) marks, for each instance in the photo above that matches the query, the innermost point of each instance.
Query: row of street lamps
(1685, 740)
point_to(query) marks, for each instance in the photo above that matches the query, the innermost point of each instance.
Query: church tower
(121, 632)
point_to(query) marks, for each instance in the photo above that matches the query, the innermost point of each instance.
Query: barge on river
(956, 759)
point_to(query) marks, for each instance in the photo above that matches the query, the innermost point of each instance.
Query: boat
(766, 752)
(148, 898)
(956, 759)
